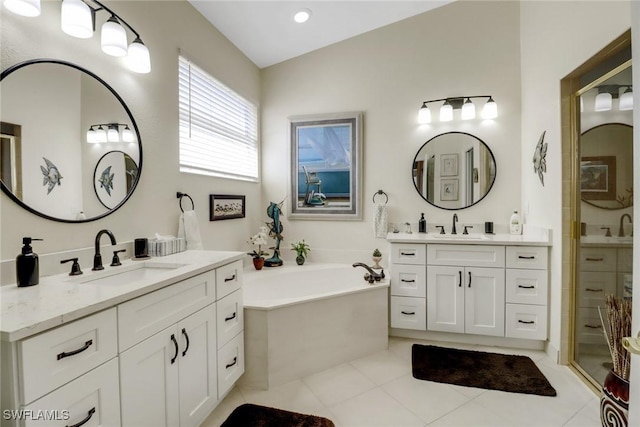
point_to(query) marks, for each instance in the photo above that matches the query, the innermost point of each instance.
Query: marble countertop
(537, 239)
(604, 241)
(62, 298)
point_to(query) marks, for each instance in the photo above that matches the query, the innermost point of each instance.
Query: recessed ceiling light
(302, 15)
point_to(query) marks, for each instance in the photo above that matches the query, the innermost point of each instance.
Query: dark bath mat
(516, 374)
(250, 415)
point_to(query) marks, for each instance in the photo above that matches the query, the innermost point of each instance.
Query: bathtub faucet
(372, 276)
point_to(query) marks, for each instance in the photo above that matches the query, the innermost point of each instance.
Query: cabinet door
(197, 366)
(445, 299)
(484, 301)
(149, 381)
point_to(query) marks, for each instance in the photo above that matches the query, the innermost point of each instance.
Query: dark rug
(516, 374)
(250, 415)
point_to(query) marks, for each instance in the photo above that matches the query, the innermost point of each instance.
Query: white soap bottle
(515, 225)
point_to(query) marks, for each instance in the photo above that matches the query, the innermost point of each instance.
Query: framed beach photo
(449, 189)
(449, 165)
(225, 206)
(598, 178)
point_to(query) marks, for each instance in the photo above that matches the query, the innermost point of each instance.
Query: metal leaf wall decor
(540, 158)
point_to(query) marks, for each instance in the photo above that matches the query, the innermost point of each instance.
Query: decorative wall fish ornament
(106, 180)
(51, 174)
(540, 158)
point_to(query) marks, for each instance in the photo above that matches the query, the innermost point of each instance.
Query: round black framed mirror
(48, 107)
(453, 170)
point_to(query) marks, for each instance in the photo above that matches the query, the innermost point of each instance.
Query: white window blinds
(218, 128)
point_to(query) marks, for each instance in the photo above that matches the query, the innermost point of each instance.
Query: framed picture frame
(449, 165)
(598, 178)
(226, 206)
(449, 190)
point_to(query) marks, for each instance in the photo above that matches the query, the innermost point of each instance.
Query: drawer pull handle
(526, 287)
(594, 259)
(233, 316)
(175, 344)
(86, 420)
(459, 278)
(235, 360)
(408, 253)
(230, 279)
(594, 290)
(408, 313)
(469, 279)
(74, 352)
(526, 257)
(184, 332)
(526, 322)
(593, 326)
(407, 280)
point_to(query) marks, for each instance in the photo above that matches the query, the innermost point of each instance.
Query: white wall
(465, 48)
(165, 26)
(556, 37)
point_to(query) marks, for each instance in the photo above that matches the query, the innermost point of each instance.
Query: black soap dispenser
(27, 269)
(422, 224)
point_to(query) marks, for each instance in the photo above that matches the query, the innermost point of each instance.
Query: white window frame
(218, 128)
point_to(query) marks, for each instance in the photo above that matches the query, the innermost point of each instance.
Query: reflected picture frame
(449, 189)
(598, 178)
(449, 164)
(325, 158)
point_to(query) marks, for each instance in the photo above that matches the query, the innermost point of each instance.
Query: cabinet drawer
(93, 398)
(230, 319)
(531, 257)
(228, 278)
(589, 326)
(526, 286)
(594, 286)
(408, 253)
(409, 280)
(598, 259)
(55, 357)
(409, 313)
(230, 364)
(466, 255)
(526, 321)
(142, 317)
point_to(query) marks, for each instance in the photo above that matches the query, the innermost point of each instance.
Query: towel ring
(382, 193)
(180, 195)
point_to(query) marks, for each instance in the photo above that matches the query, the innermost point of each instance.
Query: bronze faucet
(621, 229)
(97, 258)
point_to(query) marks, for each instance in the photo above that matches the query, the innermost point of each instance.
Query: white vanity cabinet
(408, 286)
(465, 289)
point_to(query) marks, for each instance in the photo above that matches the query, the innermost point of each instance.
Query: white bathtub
(303, 319)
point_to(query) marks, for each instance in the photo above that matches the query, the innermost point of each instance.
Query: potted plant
(616, 323)
(377, 257)
(258, 239)
(302, 250)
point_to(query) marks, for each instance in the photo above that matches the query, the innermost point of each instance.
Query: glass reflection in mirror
(47, 165)
(454, 170)
(325, 166)
(113, 177)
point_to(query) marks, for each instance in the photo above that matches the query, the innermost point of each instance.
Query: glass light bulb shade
(127, 135)
(446, 113)
(113, 38)
(29, 8)
(468, 110)
(91, 136)
(76, 19)
(101, 135)
(490, 110)
(302, 16)
(112, 134)
(424, 115)
(603, 101)
(626, 101)
(138, 58)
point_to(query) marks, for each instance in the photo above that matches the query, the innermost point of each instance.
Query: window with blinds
(218, 127)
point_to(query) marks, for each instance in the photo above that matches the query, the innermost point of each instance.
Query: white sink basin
(461, 236)
(139, 270)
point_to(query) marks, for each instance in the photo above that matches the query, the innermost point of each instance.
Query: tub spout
(373, 276)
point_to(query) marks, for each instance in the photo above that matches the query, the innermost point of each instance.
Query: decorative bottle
(515, 225)
(422, 224)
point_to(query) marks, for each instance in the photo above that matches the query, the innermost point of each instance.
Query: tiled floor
(379, 390)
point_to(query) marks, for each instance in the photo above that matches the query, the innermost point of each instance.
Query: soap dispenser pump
(422, 224)
(27, 268)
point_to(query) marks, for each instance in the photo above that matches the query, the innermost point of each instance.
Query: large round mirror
(58, 122)
(454, 170)
(606, 166)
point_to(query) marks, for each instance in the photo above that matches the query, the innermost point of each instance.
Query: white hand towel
(380, 220)
(189, 230)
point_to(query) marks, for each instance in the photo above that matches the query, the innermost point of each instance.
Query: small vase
(300, 260)
(614, 403)
(258, 263)
(376, 260)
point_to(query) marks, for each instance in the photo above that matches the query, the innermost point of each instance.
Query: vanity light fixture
(607, 93)
(463, 103)
(111, 134)
(626, 100)
(76, 19)
(29, 8)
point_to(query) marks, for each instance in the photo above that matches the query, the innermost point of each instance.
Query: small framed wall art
(226, 206)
